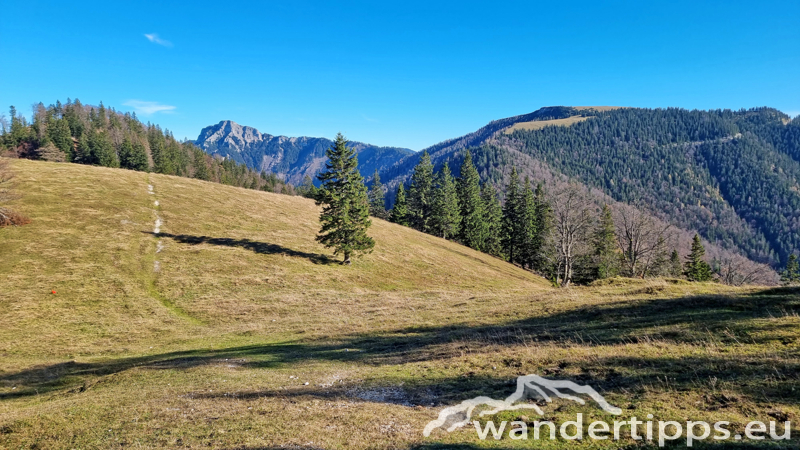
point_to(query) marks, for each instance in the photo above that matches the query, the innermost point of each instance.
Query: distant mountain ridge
(290, 157)
(732, 176)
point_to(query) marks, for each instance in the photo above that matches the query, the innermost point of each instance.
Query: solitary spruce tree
(791, 274)
(345, 215)
(377, 202)
(695, 268)
(400, 210)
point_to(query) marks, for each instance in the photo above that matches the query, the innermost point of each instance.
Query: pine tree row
(73, 132)
(562, 237)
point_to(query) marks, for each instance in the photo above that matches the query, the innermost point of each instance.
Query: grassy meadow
(232, 328)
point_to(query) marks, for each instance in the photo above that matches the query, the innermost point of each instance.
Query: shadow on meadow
(727, 320)
(255, 246)
(495, 445)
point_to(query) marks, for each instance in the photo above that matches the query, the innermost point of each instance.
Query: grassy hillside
(233, 328)
(566, 121)
(538, 124)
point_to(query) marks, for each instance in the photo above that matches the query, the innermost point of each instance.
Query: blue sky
(402, 73)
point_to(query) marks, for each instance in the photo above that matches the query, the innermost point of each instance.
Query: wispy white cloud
(147, 108)
(153, 37)
(369, 119)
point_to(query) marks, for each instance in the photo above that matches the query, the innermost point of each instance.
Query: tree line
(562, 235)
(731, 175)
(83, 134)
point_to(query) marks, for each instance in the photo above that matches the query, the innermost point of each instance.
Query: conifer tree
(400, 210)
(493, 220)
(377, 201)
(345, 214)
(82, 152)
(59, 134)
(420, 194)
(695, 268)
(132, 155)
(527, 226)
(201, 171)
(675, 266)
(542, 229)
(446, 215)
(472, 232)
(512, 238)
(791, 274)
(101, 150)
(659, 264)
(604, 242)
(307, 189)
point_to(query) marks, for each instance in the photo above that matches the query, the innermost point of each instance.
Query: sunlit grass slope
(229, 259)
(233, 328)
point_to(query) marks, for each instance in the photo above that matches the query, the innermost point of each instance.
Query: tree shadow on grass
(732, 320)
(258, 247)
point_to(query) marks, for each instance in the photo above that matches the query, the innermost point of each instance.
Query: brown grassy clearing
(215, 348)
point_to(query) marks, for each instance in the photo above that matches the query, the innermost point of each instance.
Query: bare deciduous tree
(572, 220)
(641, 238)
(736, 270)
(7, 216)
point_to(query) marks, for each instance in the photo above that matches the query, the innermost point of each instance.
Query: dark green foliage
(400, 211)
(675, 266)
(604, 242)
(132, 155)
(725, 173)
(695, 267)
(493, 221)
(19, 132)
(420, 194)
(377, 202)
(473, 225)
(512, 235)
(791, 274)
(660, 262)
(307, 188)
(345, 214)
(102, 136)
(543, 227)
(59, 134)
(200, 165)
(101, 150)
(446, 214)
(761, 185)
(528, 227)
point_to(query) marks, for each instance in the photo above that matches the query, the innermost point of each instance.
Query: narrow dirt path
(157, 224)
(156, 229)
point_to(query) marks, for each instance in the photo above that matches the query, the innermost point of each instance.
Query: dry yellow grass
(215, 349)
(539, 124)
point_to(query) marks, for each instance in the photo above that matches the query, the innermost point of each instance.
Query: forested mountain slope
(291, 158)
(731, 175)
(96, 135)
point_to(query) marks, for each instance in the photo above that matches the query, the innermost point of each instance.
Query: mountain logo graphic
(528, 386)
